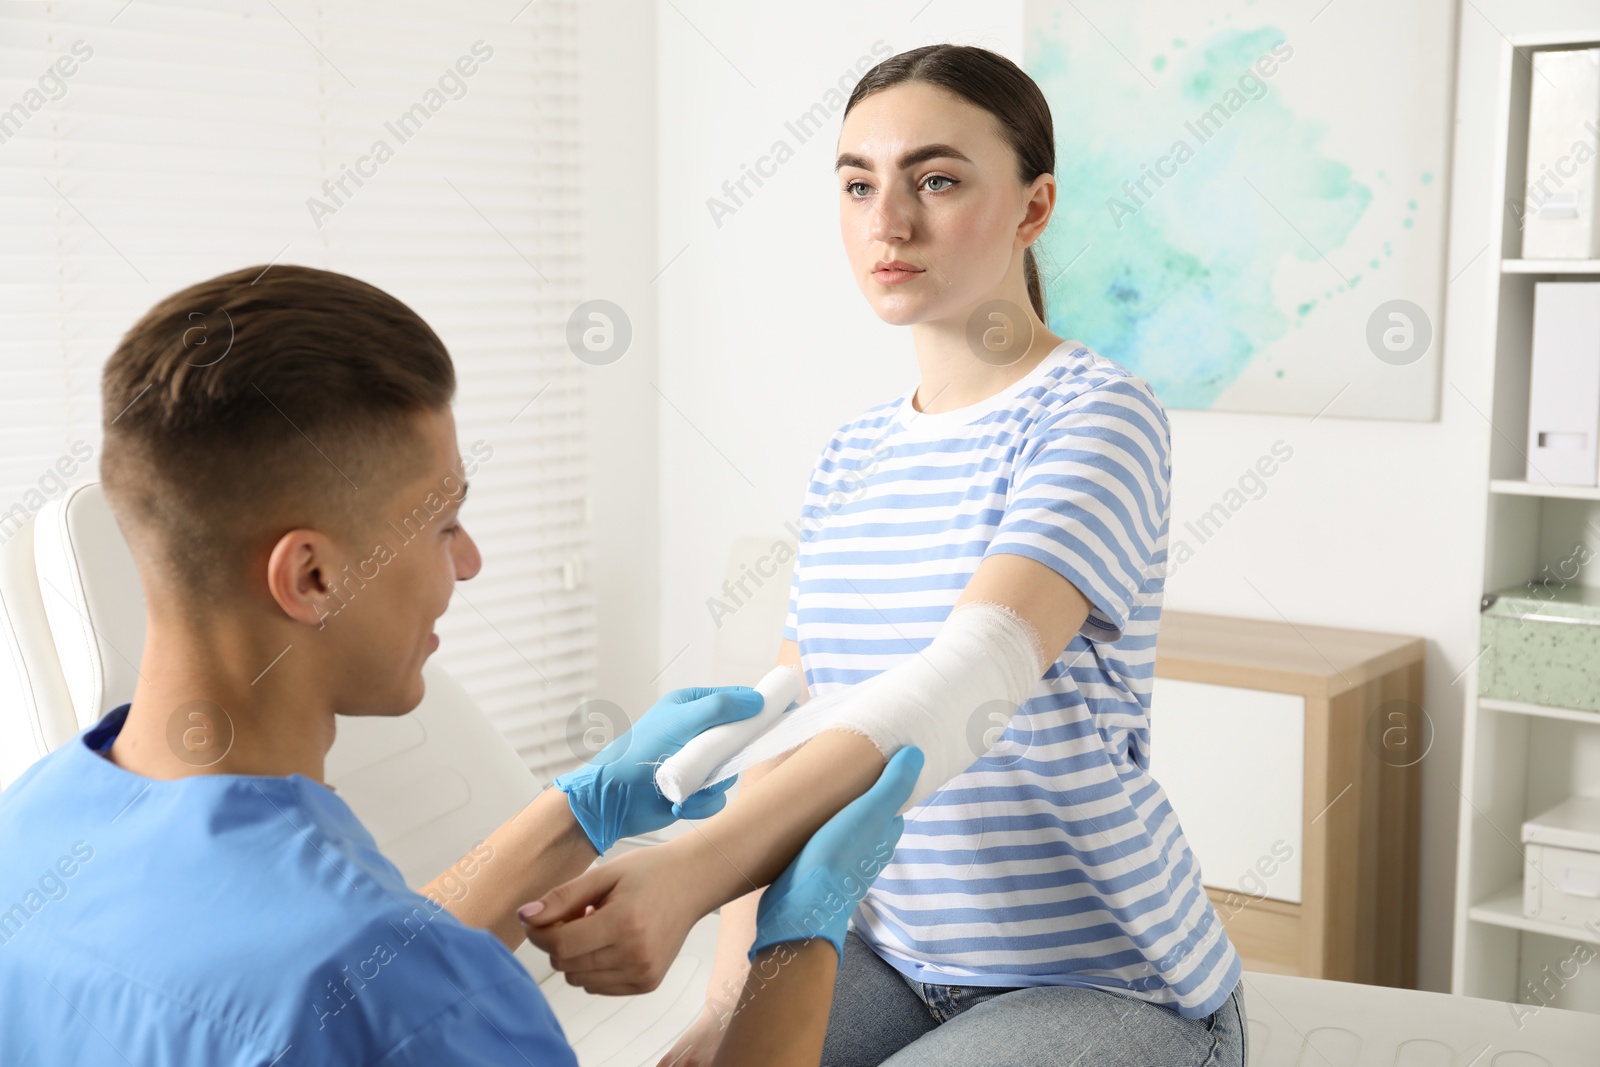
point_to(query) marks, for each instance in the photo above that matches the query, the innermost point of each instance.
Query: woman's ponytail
(1030, 272)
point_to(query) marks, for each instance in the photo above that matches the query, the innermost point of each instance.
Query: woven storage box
(1541, 645)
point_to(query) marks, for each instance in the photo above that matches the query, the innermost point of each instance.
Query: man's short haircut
(260, 401)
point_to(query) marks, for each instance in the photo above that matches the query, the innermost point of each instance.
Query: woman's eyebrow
(910, 159)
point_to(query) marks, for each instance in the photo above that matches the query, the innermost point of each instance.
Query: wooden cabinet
(1292, 755)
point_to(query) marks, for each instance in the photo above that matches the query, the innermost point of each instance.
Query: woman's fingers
(609, 958)
(570, 921)
(569, 899)
(621, 948)
(578, 938)
(608, 926)
(611, 983)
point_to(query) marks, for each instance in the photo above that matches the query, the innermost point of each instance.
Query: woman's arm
(747, 844)
(1040, 595)
(648, 900)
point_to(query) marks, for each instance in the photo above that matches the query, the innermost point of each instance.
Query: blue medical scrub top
(233, 919)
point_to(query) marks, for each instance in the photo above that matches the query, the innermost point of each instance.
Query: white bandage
(985, 658)
(688, 770)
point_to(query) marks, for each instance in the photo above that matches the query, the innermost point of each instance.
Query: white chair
(35, 709)
(428, 785)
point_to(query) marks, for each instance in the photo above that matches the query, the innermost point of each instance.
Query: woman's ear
(1041, 204)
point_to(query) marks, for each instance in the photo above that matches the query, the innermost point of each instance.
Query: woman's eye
(850, 186)
(453, 529)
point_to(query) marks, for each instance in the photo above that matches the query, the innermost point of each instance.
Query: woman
(1043, 906)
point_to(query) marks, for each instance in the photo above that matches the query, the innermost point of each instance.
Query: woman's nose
(889, 219)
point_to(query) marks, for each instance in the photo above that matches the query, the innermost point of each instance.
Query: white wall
(618, 131)
(765, 345)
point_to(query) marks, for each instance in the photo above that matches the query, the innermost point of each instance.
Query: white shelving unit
(1549, 266)
(1519, 759)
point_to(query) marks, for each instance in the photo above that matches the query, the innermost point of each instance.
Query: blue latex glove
(819, 891)
(614, 795)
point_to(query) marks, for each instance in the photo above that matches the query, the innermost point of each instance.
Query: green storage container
(1540, 644)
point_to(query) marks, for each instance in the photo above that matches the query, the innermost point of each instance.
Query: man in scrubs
(180, 885)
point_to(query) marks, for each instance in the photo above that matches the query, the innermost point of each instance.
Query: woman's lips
(894, 277)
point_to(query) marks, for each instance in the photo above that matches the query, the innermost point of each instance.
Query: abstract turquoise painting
(1251, 208)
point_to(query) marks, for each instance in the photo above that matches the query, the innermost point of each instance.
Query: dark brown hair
(991, 81)
(258, 401)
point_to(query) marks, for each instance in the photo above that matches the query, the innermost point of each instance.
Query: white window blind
(177, 140)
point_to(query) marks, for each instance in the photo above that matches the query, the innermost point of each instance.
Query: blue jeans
(882, 1017)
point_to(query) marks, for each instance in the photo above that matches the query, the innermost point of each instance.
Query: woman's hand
(617, 928)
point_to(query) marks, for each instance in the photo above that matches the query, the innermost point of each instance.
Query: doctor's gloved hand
(816, 895)
(614, 795)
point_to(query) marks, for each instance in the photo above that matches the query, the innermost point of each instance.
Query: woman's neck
(953, 376)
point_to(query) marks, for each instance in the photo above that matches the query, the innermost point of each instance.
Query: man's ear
(301, 576)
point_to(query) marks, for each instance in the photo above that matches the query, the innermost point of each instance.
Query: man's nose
(468, 559)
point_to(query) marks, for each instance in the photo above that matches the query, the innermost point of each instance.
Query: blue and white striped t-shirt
(1055, 859)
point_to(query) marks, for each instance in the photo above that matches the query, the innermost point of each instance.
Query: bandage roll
(687, 770)
(985, 656)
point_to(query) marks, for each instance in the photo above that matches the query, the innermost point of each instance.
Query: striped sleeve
(1089, 499)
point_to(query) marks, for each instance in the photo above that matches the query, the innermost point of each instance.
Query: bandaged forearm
(985, 658)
